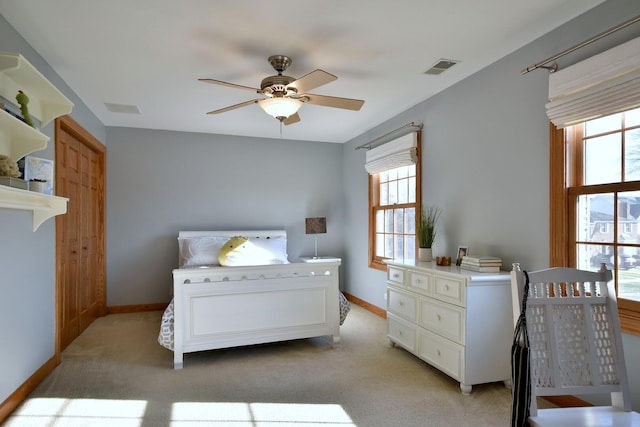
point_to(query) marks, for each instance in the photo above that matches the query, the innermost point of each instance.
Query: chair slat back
(574, 334)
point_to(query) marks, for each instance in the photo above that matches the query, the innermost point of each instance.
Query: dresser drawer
(441, 353)
(444, 319)
(420, 282)
(401, 332)
(395, 275)
(450, 290)
(402, 304)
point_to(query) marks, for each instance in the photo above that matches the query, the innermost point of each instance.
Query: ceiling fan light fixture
(280, 106)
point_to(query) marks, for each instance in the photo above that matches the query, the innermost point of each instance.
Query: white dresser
(456, 320)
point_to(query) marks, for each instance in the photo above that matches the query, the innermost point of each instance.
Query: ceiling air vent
(440, 66)
(122, 108)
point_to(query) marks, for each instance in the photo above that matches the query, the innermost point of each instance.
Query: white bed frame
(220, 307)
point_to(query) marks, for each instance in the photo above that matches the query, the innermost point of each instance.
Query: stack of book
(482, 264)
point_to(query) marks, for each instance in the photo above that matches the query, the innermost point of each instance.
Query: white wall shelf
(43, 206)
(17, 139)
(46, 102)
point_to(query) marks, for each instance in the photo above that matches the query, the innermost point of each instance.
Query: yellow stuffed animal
(239, 251)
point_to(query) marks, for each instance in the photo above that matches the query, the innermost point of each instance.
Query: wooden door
(80, 275)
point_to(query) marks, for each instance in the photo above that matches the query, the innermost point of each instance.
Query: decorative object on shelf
(426, 231)
(38, 185)
(8, 167)
(481, 264)
(37, 169)
(23, 100)
(462, 252)
(316, 226)
(13, 182)
(444, 261)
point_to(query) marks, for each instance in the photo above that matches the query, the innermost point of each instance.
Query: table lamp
(316, 226)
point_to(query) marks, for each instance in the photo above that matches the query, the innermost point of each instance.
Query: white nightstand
(311, 259)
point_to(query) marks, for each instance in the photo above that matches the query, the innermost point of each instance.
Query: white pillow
(276, 246)
(196, 251)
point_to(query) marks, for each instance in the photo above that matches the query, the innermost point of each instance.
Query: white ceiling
(150, 53)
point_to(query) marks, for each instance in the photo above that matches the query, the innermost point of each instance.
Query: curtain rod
(554, 67)
(375, 142)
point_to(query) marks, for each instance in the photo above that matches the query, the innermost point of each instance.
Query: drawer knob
(396, 276)
(401, 303)
(446, 287)
(400, 333)
(439, 317)
(438, 353)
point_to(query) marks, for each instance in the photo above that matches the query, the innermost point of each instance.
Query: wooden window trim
(560, 236)
(374, 261)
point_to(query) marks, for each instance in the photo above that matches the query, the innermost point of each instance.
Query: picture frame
(462, 251)
(38, 169)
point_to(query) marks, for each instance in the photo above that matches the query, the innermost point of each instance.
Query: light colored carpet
(116, 374)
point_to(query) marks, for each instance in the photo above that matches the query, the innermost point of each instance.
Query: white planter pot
(38, 186)
(425, 254)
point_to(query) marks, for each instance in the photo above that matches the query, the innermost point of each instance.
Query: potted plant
(426, 231)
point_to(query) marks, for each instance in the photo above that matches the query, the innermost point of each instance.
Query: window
(602, 200)
(394, 199)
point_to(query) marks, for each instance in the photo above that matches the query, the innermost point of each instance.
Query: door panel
(81, 296)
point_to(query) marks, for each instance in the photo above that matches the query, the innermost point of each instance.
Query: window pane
(410, 247)
(603, 124)
(403, 172)
(629, 284)
(628, 213)
(602, 160)
(384, 194)
(380, 245)
(412, 189)
(388, 245)
(410, 221)
(393, 174)
(632, 118)
(596, 255)
(403, 191)
(379, 221)
(399, 246)
(393, 192)
(632, 155)
(398, 220)
(595, 218)
(388, 221)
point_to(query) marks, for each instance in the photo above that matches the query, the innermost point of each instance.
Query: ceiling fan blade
(220, 82)
(233, 107)
(294, 118)
(312, 80)
(332, 101)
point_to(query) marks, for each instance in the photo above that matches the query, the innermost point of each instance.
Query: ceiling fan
(285, 95)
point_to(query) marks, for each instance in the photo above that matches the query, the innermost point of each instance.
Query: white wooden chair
(575, 345)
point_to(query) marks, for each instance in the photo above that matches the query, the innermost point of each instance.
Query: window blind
(393, 154)
(604, 84)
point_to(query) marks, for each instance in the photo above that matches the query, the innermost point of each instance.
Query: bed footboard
(222, 307)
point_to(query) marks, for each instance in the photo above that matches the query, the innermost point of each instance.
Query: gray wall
(159, 183)
(485, 148)
(485, 161)
(27, 258)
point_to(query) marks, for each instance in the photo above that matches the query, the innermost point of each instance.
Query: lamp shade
(280, 106)
(316, 225)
